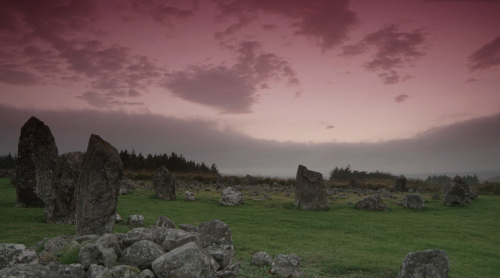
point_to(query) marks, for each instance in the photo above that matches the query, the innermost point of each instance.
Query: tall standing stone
(310, 192)
(400, 185)
(98, 187)
(37, 154)
(60, 206)
(164, 184)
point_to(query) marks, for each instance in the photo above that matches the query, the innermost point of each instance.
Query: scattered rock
(135, 220)
(189, 260)
(189, 228)
(228, 272)
(163, 221)
(189, 196)
(230, 197)
(222, 254)
(310, 192)
(127, 186)
(429, 263)
(262, 258)
(98, 185)
(286, 266)
(141, 254)
(413, 201)
(164, 184)
(96, 254)
(12, 254)
(176, 238)
(373, 202)
(215, 232)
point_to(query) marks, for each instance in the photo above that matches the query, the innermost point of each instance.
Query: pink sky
(314, 72)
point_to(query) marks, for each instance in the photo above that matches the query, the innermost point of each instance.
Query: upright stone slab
(98, 188)
(60, 206)
(400, 185)
(164, 184)
(37, 156)
(310, 192)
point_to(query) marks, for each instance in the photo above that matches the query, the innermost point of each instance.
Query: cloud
(330, 127)
(401, 98)
(165, 12)
(394, 49)
(486, 57)
(470, 145)
(326, 22)
(471, 80)
(104, 101)
(232, 89)
(52, 43)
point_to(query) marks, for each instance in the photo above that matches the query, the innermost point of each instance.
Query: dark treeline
(173, 162)
(8, 161)
(470, 180)
(346, 173)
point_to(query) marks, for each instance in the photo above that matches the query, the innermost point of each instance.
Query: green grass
(340, 242)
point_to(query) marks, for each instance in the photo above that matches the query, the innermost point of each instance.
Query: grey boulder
(141, 254)
(187, 261)
(413, 201)
(286, 266)
(429, 263)
(373, 202)
(261, 258)
(230, 197)
(310, 191)
(11, 254)
(215, 232)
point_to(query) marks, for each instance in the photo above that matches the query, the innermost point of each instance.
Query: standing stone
(310, 192)
(98, 188)
(429, 263)
(353, 183)
(164, 184)
(60, 205)
(400, 185)
(37, 156)
(413, 201)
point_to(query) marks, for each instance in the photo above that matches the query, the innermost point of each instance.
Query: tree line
(173, 162)
(133, 161)
(346, 173)
(470, 180)
(8, 161)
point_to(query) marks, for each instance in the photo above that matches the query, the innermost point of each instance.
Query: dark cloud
(486, 57)
(401, 98)
(327, 22)
(38, 45)
(165, 12)
(330, 127)
(394, 49)
(232, 89)
(470, 145)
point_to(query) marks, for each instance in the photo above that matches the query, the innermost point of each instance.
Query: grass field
(340, 242)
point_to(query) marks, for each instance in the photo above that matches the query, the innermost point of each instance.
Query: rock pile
(156, 252)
